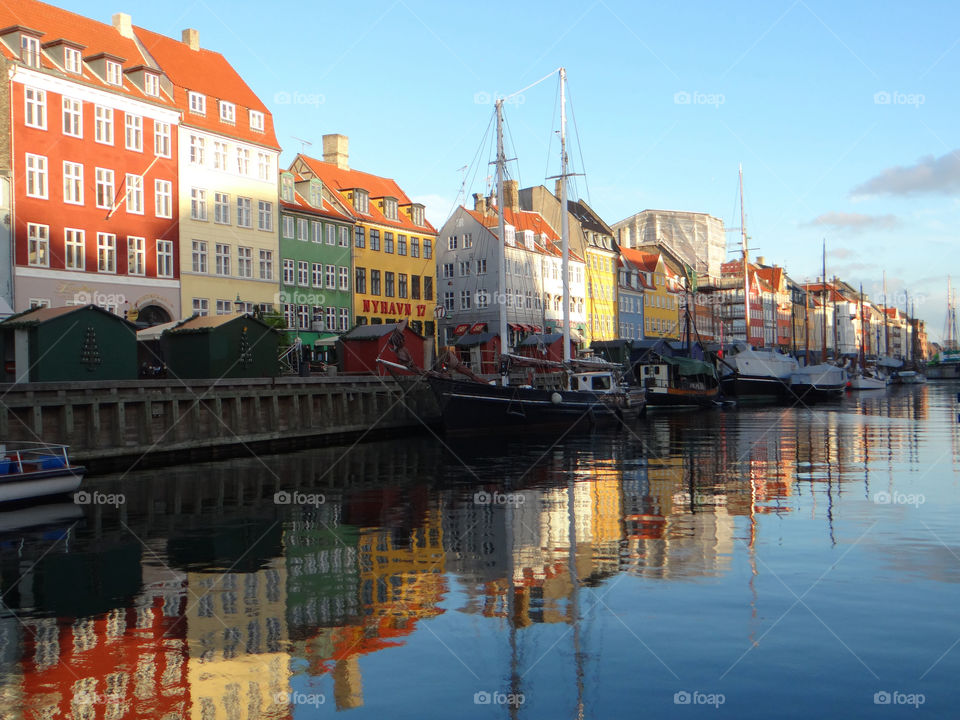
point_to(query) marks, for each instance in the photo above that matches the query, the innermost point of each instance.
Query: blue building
(631, 284)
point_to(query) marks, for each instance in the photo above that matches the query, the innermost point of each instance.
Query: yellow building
(394, 267)
(601, 254)
(661, 301)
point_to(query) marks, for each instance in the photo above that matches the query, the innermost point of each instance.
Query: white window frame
(198, 204)
(243, 161)
(151, 84)
(133, 132)
(103, 124)
(34, 107)
(244, 212)
(256, 121)
(72, 183)
(163, 198)
(220, 153)
(228, 112)
(221, 208)
(36, 174)
(72, 60)
(303, 273)
(222, 261)
(198, 149)
(74, 249)
(136, 255)
(265, 215)
(344, 273)
(162, 146)
(72, 117)
(133, 192)
(266, 264)
(165, 258)
(197, 102)
(105, 187)
(114, 73)
(106, 253)
(244, 261)
(201, 306)
(199, 257)
(38, 245)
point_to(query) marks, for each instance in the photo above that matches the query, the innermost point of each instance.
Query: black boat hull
(747, 388)
(809, 393)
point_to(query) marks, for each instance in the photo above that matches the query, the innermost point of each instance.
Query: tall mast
(823, 307)
(886, 328)
(501, 233)
(906, 315)
(564, 220)
(863, 331)
(836, 325)
(746, 260)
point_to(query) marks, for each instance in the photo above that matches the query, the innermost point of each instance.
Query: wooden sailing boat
(865, 379)
(593, 392)
(946, 364)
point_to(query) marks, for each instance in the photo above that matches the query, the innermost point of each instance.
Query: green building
(65, 344)
(221, 346)
(316, 266)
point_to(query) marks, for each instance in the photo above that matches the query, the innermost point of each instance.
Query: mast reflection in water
(792, 561)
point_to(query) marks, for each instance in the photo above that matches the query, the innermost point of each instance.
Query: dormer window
(198, 103)
(361, 201)
(228, 112)
(151, 84)
(71, 60)
(256, 120)
(286, 187)
(30, 50)
(416, 214)
(114, 73)
(390, 208)
(510, 235)
(316, 193)
(528, 239)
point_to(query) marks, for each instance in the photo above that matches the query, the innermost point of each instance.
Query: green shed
(65, 344)
(221, 346)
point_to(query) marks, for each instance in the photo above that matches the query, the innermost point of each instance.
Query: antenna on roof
(303, 143)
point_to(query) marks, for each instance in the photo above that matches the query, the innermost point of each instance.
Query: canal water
(765, 562)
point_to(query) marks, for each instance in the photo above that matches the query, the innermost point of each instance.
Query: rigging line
(556, 101)
(473, 164)
(576, 132)
(513, 148)
(523, 90)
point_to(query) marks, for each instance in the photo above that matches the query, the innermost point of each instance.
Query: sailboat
(745, 372)
(909, 374)
(946, 363)
(593, 392)
(864, 378)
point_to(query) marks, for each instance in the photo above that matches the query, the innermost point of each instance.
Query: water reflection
(202, 597)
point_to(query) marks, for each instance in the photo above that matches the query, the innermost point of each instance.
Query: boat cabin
(601, 382)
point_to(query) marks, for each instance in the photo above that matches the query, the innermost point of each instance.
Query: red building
(731, 274)
(359, 349)
(93, 163)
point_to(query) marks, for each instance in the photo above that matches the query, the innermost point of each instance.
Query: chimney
(191, 37)
(480, 203)
(760, 260)
(511, 195)
(123, 24)
(336, 150)
(556, 188)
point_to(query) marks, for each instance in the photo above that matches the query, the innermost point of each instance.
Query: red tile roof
(641, 260)
(526, 220)
(328, 210)
(96, 38)
(208, 72)
(377, 187)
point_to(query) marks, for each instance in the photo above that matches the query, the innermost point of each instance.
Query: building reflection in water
(203, 598)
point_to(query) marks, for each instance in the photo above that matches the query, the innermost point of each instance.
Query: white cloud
(928, 175)
(855, 222)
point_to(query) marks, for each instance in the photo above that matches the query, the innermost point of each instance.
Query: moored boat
(864, 381)
(32, 470)
(814, 383)
(757, 375)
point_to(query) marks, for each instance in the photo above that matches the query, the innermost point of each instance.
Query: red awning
(515, 326)
(478, 328)
(460, 329)
(537, 329)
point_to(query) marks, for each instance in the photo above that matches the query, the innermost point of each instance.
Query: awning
(478, 327)
(325, 341)
(515, 326)
(461, 329)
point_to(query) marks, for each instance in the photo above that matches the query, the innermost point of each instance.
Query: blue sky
(843, 114)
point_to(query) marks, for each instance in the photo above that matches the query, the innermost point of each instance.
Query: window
(244, 217)
(427, 248)
(303, 229)
(201, 306)
(36, 176)
(114, 73)
(164, 258)
(390, 208)
(401, 284)
(374, 239)
(243, 161)
(221, 208)
(199, 256)
(464, 299)
(73, 183)
(331, 277)
(448, 270)
(467, 240)
(151, 84)
(428, 288)
(245, 262)
(374, 282)
(452, 242)
(388, 284)
(35, 110)
(197, 149)
(38, 245)
(266, 264)
(73, 249)
(331, 318)
(361, 201)
(344, 319)
(134, 132)
(464, 268)
(303, 273)
(105, 189)
(256, 120)
(72, 117)
(161, 138)
(482, 266)
(265, 215)
(448, 301)
(289, 227)
(136, 256)
(134, 194)
(415, 287)
(344, 273)
(414, 247)
(198, 103)
(290, 316)
(103, 124)
(198, 204)
(286, 187)
(360, 280)
(263, 166)
(316, 193)
(219, 155)
(222, 259)
(317, 275)
(71, 60)
(303, 316)
(401, 244)
(388, 242)
(224, 307)
(228, 112)
(483, 299)
(316, 231)
(359, 237)
(163, 198)
(289, 270)
(331, 235)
